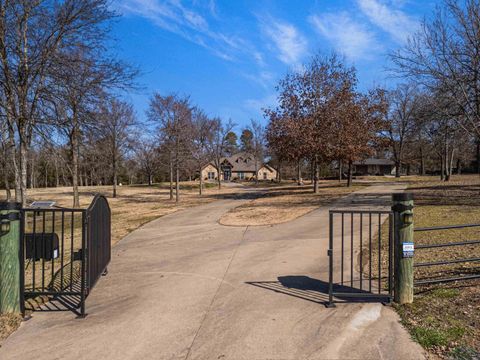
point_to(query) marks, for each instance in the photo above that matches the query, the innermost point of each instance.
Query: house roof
(242, 162)
(374, 161)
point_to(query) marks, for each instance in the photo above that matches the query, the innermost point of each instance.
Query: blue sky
(229, 55)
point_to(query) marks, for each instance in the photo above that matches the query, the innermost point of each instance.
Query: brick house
(240, 166)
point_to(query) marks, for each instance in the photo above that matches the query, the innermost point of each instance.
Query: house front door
(227, 174)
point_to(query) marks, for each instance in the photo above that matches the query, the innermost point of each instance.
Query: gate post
(10, 267)
(403, 247)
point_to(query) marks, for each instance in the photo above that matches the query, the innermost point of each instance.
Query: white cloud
(393, 21)
(189, 23)
(259, 104)
(348, 37)
(290, 43)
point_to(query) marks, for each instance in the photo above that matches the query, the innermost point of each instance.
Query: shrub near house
(240, 166)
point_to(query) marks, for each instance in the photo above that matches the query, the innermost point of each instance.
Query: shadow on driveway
(314, 290)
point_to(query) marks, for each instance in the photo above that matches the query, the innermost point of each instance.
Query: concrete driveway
(186, 287)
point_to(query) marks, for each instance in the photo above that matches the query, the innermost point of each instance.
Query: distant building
(373, 166)
(240, 166)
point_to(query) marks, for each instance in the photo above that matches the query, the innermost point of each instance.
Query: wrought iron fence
(63, 252)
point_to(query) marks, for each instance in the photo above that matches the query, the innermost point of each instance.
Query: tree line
(428, 123)
(62, 120)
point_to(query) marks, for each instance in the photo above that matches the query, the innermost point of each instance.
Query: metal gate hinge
(329, 252)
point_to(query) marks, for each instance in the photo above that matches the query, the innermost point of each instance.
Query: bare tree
(444, 56)
(203, 132)
(404, 104)
(258, 144)
(117, 125)
(173, 116)
(32, 33)
(219, 144)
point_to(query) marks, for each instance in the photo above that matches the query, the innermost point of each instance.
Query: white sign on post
(408, 249)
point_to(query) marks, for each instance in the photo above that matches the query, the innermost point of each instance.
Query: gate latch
(329, 252)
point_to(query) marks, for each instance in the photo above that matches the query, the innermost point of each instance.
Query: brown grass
(285, 203)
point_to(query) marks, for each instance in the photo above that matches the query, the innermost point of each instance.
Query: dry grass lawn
(285, 203)
(134, 205)
(445, 318)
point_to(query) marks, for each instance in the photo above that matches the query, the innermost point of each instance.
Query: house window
(241, 175)
(264, 176)
(211, 175)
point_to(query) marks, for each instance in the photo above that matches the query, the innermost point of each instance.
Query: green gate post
(403, 247)
(9, 257)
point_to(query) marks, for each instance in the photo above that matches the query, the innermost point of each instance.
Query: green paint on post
(403, 247)
(9, 258)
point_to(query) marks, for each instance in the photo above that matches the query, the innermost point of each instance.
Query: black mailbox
(45, 246)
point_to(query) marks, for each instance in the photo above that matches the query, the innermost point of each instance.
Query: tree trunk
(450, 165)
(422, 162)
(315, 175)
(12, 155)
(200, 189)
(299, 173)
(256, 171)
(340, 170)
(171, 177)
(75, 152)
(177, 181)
(6, 181)
(114, 168)
(459, 167)
(446, 158)
(218, 174)
(442, 169)
(350, 173)
(398, 165)
(23, 171)
(57, 178)
(32, 172)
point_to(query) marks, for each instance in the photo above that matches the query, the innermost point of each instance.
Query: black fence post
(330, 263)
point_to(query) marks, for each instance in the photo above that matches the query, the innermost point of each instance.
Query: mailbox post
(9, 257)
(403, 247)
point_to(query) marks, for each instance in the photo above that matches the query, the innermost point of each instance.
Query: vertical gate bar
(370, 252)
(44, 250)
(361, 250)
(52, 245)
(351, 249)
(34, 252)
(343, 245)
(83, 277)
(330, 261)
(62, 250)
(22, 253)
(390, 254)
(379, 253)
(71, 249)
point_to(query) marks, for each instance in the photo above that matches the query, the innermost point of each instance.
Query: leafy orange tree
(322, 117)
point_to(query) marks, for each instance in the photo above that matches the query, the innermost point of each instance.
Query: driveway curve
(186, 287)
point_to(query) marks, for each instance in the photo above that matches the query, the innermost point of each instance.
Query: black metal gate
(63, 252)
(360, 255)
